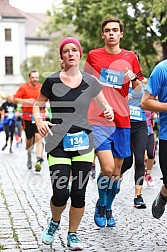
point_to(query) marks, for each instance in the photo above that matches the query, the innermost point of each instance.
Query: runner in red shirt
(27, 95)
(115, 68)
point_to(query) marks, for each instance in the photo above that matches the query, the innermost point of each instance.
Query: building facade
(19, 40)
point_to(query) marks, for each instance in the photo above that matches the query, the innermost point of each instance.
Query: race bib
(111, 78)
(32, 119)
(136, 113)
(76, 141)
(149, 130)
(10, 115)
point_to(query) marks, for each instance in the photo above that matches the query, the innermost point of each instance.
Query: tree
(44, 65)
(156, 22)
(145, 29)
(145, 25)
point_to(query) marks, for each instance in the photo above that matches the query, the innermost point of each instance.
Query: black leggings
(151, 147)
(163, 159)
(9, 130)
(60, 171)
(138, 145)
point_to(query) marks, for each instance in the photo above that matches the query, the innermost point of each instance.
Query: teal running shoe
(49, 232)
(100, 215)
(110, 219)
(74, 242)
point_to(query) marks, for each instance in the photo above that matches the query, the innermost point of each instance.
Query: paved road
(24, 212)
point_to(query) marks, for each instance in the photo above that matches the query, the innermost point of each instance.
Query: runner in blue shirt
(157, 86)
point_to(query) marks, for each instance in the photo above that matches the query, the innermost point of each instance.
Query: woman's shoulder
(53, 75)
(52, 78)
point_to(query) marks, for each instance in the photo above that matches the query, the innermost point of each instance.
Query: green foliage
(145, 28)
(144, 24)
(44, 65)
(2, 247)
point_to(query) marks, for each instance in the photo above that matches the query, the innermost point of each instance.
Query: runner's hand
(108, 112)
(129, 96)
(130, 75)
(43, 127)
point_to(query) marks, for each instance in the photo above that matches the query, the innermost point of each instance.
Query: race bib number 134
(76, 141)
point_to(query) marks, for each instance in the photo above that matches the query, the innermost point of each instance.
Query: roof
(6, 10)
(32, 20)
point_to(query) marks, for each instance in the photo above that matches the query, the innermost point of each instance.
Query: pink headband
(70, 40)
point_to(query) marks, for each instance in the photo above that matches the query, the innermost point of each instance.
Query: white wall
(19, 48)
(34, 48)
(14, 48)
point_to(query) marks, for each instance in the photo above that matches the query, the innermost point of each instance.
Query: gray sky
(35, 6)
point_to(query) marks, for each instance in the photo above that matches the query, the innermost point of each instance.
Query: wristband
(135, 78)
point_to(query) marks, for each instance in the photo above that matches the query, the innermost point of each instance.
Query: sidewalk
(25, 210)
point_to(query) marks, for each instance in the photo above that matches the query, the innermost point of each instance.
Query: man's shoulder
(39, 85)
(24, 85)
(4, 104)
(128, 55)
(128, 52)
(97, 50)
(162, 63)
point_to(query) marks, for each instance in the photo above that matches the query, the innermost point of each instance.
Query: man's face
(112, 34)
(34, 78)
(10, 98)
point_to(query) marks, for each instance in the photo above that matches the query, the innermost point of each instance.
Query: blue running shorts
(112, 138)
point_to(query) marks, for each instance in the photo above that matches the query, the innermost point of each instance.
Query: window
(8, 35)
(9, 65)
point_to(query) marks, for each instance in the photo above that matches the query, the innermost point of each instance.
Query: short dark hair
(113, 19)
(33, 71)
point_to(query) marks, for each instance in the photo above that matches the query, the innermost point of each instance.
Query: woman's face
(70, 55)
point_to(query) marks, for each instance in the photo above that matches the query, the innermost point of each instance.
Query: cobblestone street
(25, 211)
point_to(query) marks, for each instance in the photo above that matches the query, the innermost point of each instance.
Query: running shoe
(100, 215)
(29, 164)
(38, 166)
(10, 151)
(49, 233)
(110, 219)
(74, 242)
(4, 147)
(158, 206)
(148, 178)
(139, 202)
(41, 160)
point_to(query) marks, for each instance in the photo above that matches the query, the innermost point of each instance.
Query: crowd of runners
(107, 110)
